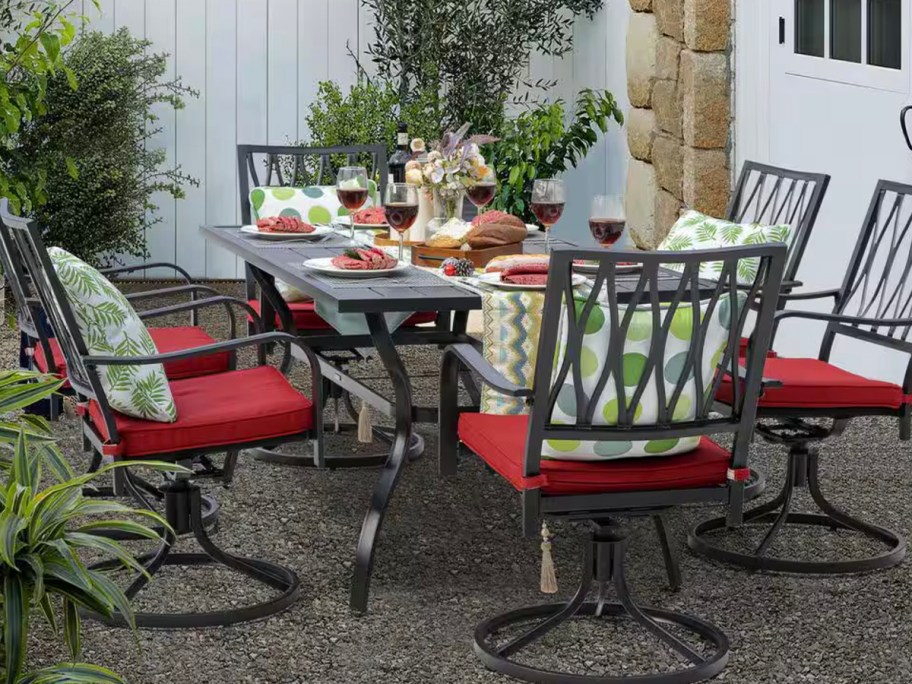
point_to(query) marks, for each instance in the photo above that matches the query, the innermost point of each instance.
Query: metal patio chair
(772, 195)
(816, 399)
(218, 413)
(603, 491)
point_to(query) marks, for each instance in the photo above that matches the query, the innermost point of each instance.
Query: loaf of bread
(502, 263)
(495, 229)
(452, 235)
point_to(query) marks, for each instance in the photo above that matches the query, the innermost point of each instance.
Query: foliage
(368, 114)
(33, 34)
(474, 53)
(107, 207)
(538, 144)
(42, 530)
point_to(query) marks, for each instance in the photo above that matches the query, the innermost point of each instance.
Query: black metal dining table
(416, 290)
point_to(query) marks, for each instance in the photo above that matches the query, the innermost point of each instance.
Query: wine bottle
(402, 154)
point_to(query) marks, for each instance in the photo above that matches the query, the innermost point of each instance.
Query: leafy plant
(102, 206)
(473, 53)
(538, 144)
(33, 34)
(42, 530)
(367, 115)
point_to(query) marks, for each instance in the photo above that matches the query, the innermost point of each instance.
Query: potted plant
(43, 527)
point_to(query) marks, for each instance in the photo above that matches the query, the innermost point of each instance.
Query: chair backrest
(771, 195)
(567, 320)
(291, 166)
(877, 284)
(26, 236)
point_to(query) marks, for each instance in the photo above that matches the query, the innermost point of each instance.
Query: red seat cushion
(214, 410)
(166, 340)
(501, 442)
(812, 383)
(306, 318)
(742, 351)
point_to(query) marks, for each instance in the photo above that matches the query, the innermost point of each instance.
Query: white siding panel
(104, 20)
(191, 135)
(313, 57)
(221, 130)
(283, 70)
(342, 35)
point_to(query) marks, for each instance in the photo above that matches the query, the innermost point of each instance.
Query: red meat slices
(373, 216)
(370, 259)
(284, 224)
(526, 279)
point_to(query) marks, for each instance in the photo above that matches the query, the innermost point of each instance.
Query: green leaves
(15, 625)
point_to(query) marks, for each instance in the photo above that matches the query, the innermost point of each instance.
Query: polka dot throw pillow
(316, 204)
(594, 357)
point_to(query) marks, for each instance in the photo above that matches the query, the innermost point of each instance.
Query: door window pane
(845, 30)
(809, 27)
(885, 33)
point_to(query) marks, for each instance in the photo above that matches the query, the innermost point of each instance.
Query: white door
(840, 72)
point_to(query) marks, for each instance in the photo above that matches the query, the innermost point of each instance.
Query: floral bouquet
(453, 164)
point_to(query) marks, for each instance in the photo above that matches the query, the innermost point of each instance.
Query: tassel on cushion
(548, 574)
(365, 429)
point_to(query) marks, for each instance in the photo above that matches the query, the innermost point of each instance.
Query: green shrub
(105, 207)
(538, 144)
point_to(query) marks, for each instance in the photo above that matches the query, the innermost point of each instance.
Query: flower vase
(419, 230)
(447, 206)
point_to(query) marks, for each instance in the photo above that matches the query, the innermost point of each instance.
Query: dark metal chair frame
(338, 351)
(882, 316)
(603, 562)
(182, 495)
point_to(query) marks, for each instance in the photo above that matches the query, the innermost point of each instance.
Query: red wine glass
(482, 193)
(401, 208)
(548, 199)
(607, 219)
(351, 189)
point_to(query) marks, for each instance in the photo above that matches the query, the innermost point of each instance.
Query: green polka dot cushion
(317, 204)
(699, 231)
(593, 358)
(111, 327)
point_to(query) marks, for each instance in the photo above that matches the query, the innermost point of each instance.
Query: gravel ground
(452, 554)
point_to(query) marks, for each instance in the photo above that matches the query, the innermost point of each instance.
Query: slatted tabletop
(415, 290)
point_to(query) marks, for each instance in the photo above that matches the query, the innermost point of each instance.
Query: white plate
(346, 221)
(320, 231)
(494, 279)
(324, 265)
(620, 268)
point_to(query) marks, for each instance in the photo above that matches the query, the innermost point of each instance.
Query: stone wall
(679, 124)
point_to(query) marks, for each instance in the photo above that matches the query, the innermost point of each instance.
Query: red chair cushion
(742, 351)
(812, 383)
(306, 318)
(166, 340)
(501, 442)
(216, 410)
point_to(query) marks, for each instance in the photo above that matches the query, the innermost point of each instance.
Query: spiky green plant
(44, 526)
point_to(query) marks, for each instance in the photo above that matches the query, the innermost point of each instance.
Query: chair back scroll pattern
(770, 196)
(12, 267)
(567, 315)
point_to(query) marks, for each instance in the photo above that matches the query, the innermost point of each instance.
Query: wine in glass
(548, 199)
(482, 193)
(607, 220)
(401, 207)
(351, 189)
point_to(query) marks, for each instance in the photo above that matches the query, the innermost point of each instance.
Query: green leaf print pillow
(699, 231)
(594, 357)
(111, 327)
(316, 204)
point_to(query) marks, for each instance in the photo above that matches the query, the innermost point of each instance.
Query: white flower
(412, 164)
(414, 176)
(434, 156)
(437, 173)
(418, 145)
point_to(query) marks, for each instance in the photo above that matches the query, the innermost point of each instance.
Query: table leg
(389, 476)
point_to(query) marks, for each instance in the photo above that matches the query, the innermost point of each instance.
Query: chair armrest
(168, 291)
(185, 276)
(206, 350)
(840, 318)
(197, 304)
(804, 296)
(765, 383)
(472, 359)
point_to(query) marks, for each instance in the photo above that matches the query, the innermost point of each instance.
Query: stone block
(668, 210)
(707, 24)
(641, 131)
(706, 94)
(668, 159)
(642, 36)
(669, 16)
(641, 203)
(666, 103)
(707, 181)
(668, 58)
(641, 5)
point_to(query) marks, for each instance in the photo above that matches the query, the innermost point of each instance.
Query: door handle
(781, 30)
(903, 121)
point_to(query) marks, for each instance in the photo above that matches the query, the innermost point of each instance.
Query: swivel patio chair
(582, 455)
(222, 412)
(816, 399)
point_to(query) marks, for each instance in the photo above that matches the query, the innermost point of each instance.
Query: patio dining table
(417, 290)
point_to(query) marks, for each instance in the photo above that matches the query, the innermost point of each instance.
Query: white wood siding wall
(257, 64)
